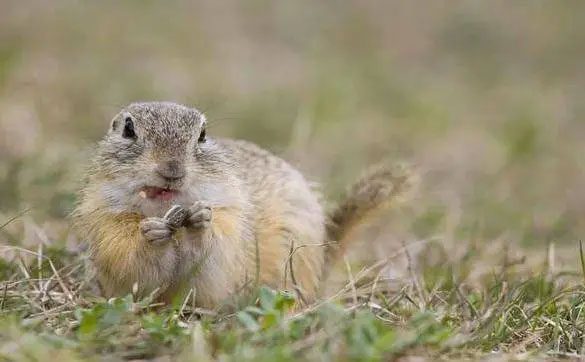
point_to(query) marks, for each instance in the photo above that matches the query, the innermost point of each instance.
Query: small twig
(396, 299)
(5, 292)
(351, 280)
(582, 258)
(292, 273)
(414, 277)
(472, 308)
(289, 264)
(14, 218)
(551, 259)
(60, 281)
(40, 266)
(185, 301)
(24, 270)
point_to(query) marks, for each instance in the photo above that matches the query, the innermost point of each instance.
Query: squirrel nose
(170, 170)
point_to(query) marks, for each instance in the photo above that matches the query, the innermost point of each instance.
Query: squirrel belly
(244, 216)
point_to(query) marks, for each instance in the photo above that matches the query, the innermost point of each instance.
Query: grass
(444, 308)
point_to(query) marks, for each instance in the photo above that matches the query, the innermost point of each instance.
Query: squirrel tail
(378, 189)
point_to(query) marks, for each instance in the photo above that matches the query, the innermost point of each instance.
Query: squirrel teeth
(142, 194)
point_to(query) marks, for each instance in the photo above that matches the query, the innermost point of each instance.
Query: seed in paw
(176, 216)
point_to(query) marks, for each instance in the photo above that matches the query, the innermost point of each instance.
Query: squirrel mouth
(158, 193)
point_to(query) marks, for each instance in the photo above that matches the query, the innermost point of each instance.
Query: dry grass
(472, 305)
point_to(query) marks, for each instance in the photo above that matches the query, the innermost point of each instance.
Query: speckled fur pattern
(262, 209)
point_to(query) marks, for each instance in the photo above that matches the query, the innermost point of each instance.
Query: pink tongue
(159, 193)
(166, 195)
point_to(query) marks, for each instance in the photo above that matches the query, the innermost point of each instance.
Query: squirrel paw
(156, 230)
(199, 216)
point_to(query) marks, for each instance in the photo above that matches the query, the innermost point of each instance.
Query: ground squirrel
(167, 209)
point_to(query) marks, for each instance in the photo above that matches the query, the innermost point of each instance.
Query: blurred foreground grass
(485, 98)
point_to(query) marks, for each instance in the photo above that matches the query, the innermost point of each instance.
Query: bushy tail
(378, 189)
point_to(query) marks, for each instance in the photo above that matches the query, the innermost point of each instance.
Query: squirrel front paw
(199, 216)
(156, 230)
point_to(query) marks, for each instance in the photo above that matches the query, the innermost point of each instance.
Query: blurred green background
(486, 98)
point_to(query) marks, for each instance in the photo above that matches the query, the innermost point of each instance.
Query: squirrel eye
(128, 128)
(202, 136)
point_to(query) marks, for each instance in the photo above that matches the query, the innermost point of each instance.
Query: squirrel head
(155, 155)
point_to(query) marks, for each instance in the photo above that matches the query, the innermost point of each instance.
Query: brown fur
(267, 224)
